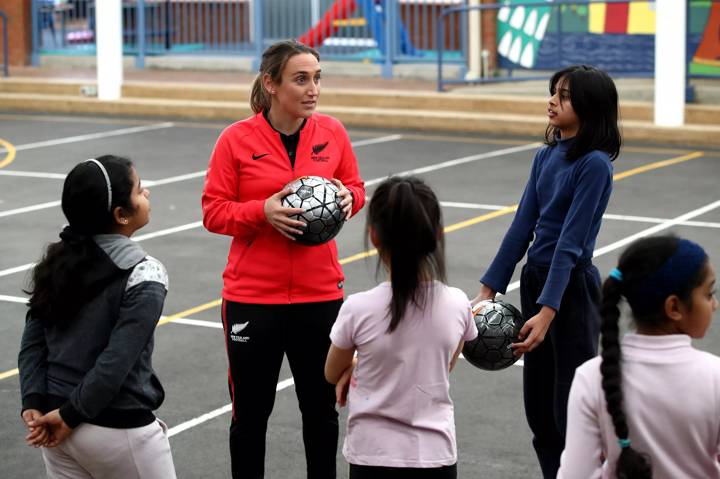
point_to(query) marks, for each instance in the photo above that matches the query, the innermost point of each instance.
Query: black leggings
(377, 472)
(257, 337)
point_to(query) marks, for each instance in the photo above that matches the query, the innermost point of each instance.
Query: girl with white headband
(86, 378)
(650, 407)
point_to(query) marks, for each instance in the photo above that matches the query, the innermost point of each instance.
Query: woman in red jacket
(279, 297)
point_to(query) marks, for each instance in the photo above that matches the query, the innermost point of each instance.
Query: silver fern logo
(237, 327)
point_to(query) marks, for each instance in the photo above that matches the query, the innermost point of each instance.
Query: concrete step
(505, 123)
(380, 99)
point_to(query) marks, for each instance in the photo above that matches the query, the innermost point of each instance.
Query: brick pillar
(489, 35)
(19, 30)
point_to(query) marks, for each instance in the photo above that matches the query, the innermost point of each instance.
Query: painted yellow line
(10, 156)
(189, 312)
(448, 229)
(8, 374)
(658, 164)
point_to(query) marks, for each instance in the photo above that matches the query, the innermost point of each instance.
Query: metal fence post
(258, 33)
(140, 32)
(6, 57)
(34, 19)
(391, 30)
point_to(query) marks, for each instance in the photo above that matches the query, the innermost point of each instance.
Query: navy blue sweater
(562, 207)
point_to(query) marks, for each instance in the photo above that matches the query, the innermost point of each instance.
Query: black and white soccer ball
(323, 214)
(498, 324)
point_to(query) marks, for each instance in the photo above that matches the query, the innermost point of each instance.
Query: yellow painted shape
(596, 23)
(641, 18)
(448, 229)
(10, 153)
(350, 22)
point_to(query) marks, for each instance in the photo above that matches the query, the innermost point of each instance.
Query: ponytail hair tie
(624, 443)
(617, 275)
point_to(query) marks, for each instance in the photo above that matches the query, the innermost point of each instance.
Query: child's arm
(338, 360)
(454, 359)
(516, 240)
(32, 363)
(583, 454)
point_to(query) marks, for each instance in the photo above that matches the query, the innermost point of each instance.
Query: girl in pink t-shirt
(652, 409)
(408, 333)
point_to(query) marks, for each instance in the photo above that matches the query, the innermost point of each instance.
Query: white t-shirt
(671, 399)
(400, 411)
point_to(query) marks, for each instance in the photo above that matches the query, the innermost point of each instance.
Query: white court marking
(606, 249)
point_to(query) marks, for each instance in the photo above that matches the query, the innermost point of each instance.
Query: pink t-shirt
(400, 411)
(671, 399)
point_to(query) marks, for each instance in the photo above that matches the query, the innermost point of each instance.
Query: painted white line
(27, 209)
(156, 234)
(168, 231)
(197, 322)
(16, 269)
(647, 219)
(375, 141)
(13, 299)
(471, 206)
(33, 174)
(217, 412)
(92, 136)
(174, 179)
(460, 161)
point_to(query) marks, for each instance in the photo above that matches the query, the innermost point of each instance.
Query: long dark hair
(406, 219)
(637, 263)
(595, 100)
(273, 63)
(67, 275)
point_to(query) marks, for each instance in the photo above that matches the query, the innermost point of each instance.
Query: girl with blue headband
(650, 408)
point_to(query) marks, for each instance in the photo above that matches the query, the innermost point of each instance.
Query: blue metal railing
(6, 56)
(384, 32)
(645, 56)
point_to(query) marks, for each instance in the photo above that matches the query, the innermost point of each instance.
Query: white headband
(107, 180)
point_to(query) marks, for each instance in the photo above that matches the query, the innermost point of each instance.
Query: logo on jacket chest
(316, 150)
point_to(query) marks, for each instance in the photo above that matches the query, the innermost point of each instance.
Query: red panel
(616, 17)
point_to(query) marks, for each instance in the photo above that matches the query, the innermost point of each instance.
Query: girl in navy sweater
(560, 213)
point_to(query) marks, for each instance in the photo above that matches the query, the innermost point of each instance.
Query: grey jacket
(97, 368)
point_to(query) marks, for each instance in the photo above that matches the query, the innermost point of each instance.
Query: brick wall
(19, 30)
(489, 34)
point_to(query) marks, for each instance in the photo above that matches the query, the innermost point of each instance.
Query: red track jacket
(249, 164)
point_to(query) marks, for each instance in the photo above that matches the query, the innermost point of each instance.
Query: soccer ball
(498, 326)
(323, 215)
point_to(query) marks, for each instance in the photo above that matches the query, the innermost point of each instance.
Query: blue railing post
(440, 31)
(258, 19)
(35, 28)
(6, 56)
(559, 32)
(463, 41)
(140, 32)
(391, 30)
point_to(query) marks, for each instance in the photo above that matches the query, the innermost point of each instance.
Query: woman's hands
(279, 216)
(346, 198)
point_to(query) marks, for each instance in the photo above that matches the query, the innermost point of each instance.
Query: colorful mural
(616, 37)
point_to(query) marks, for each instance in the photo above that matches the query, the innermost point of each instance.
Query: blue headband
(670, 278)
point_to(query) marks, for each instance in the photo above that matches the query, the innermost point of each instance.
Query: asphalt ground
(476, 178)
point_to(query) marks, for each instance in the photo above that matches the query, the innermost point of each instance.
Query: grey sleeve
(32, 362)
(140, 311)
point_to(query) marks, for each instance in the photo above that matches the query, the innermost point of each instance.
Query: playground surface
(477, 177)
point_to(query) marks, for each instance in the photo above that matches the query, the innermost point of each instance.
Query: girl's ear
(119, 216)
(674, 308)
(373, 237)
